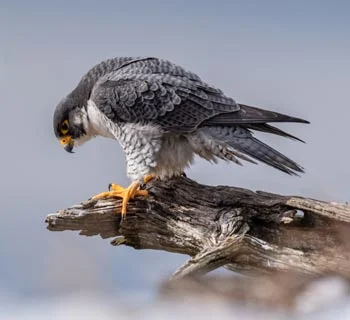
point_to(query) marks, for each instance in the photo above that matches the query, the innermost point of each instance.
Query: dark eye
(65, 127)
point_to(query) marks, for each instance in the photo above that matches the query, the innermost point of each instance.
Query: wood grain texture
(242, 230)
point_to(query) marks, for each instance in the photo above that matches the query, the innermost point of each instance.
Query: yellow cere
(65, 140)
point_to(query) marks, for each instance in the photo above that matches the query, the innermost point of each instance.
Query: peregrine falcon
(163, 115)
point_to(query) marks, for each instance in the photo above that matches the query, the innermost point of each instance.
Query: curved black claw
(143, 186)
(110, 186)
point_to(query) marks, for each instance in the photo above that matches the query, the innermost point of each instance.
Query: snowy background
(290, 56)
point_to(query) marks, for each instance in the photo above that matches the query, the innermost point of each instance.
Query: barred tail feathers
(264, 153)
(242, 142)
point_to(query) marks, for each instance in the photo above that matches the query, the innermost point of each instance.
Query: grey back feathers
(151, 91)
(159, 91)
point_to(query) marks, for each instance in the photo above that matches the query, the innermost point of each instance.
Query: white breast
(148, 149)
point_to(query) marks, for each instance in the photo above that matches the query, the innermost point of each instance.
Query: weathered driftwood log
(245, 231)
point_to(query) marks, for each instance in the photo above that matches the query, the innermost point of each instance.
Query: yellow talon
(126, 194)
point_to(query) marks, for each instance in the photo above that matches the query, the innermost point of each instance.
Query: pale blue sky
(290, 56)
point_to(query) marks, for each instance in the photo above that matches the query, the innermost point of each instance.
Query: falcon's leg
(116, 191)
(148, 178)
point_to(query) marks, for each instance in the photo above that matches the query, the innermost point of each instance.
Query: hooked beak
(68, 143)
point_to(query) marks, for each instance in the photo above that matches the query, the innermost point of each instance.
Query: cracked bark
(244, 231)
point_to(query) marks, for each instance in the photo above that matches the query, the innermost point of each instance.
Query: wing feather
(155, 90)
(161, 92)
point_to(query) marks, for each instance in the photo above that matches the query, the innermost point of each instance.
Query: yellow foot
(116, 191)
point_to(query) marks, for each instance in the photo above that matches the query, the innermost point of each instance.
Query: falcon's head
(70, 123)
